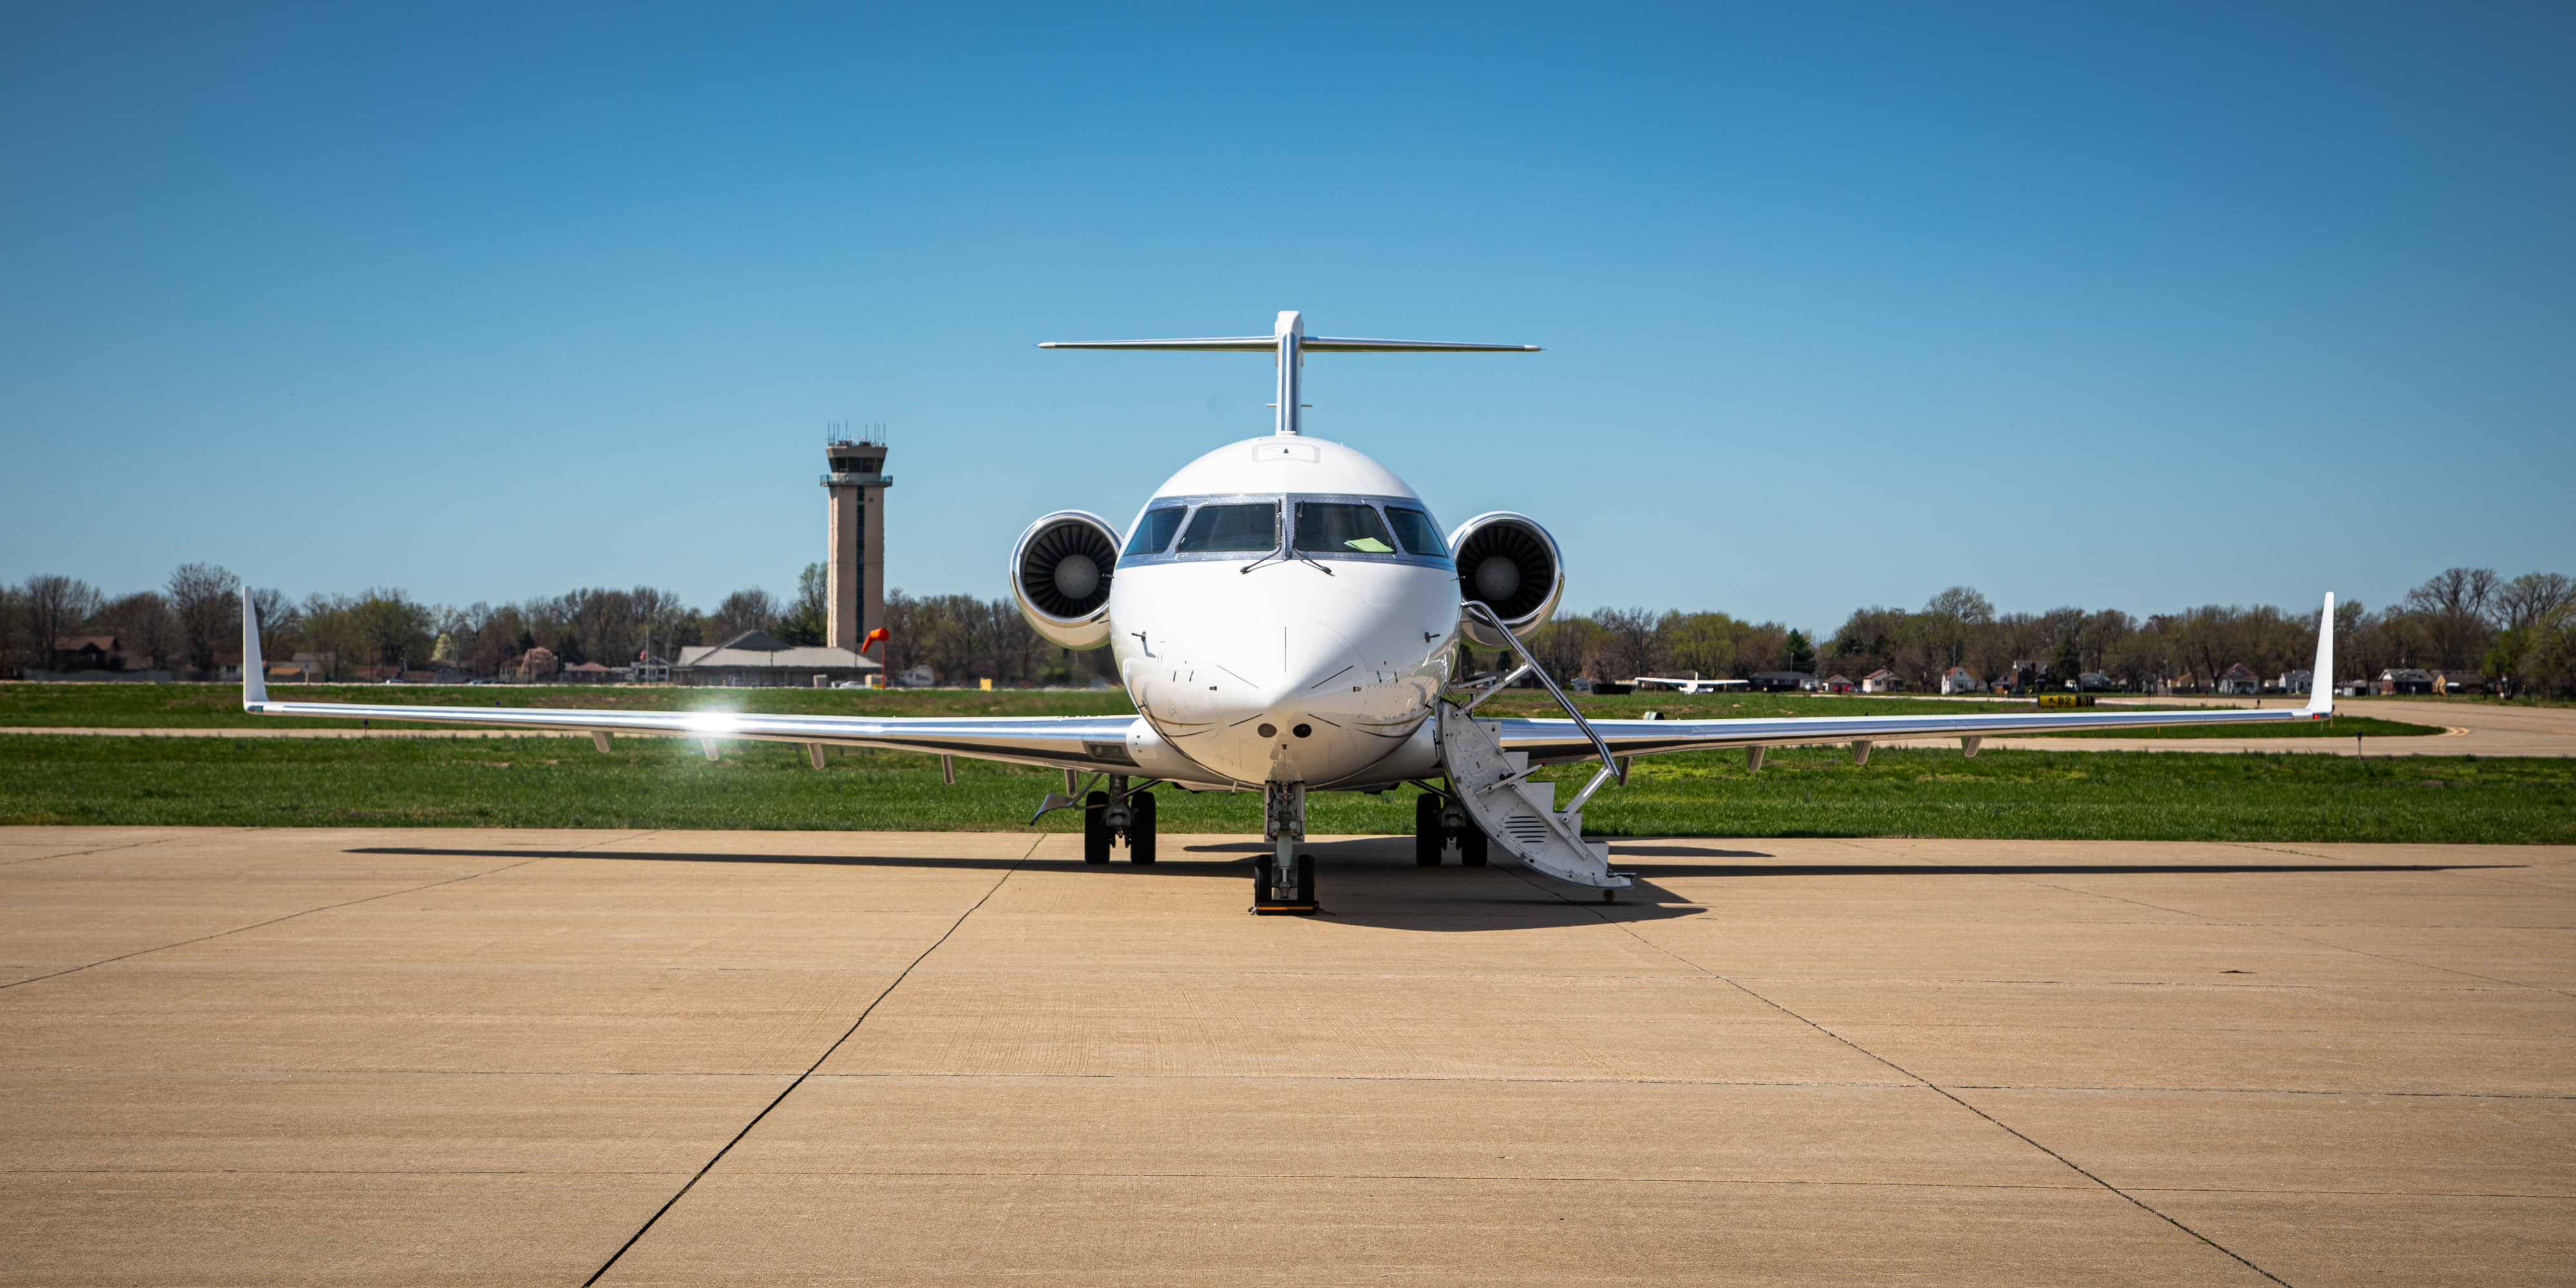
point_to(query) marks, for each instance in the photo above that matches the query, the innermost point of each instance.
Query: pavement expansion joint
(781, 1098)
(190, 835)
(345, 903)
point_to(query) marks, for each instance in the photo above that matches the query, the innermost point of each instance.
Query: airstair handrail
(1610, 766)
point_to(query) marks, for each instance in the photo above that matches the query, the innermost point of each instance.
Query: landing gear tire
(1472, 845)
(1428, 835)
(1095, 828)
(1265, 872)
(1140, 827)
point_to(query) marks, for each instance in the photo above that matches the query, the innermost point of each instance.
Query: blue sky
(2144, 308)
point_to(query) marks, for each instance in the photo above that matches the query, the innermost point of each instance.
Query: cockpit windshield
(1327, 527)
(1248, 529)
(1155, 531)
(1418, 533)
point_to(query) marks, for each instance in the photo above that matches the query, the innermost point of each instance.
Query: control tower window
(1155, 531)
(1418, 533)
(1240, 528)
(1325, 527)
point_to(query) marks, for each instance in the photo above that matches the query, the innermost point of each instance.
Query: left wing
(1063, 742)
(1551, 741)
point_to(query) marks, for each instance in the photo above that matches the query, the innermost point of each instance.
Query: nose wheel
(1293, 897)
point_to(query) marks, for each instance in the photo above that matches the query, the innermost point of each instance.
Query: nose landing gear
(1283, 884)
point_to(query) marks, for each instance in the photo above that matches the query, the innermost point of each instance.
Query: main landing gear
(1438, 822)
(1283, 882)
(1118, 812)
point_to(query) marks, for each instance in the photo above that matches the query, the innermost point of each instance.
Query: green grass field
(562, 782)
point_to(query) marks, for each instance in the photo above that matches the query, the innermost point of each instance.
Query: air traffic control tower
(855, 581)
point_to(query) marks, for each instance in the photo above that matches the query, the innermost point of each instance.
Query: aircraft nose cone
(1258, 724)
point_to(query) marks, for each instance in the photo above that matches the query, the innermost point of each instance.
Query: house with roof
(2239, 678)
(1959, 679)
(2405, 680)
(1882, 680)
(89, 653)
(759, 660)
(1836, 683)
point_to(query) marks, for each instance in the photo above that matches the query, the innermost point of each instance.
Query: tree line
(192, 624)
(2462, 619)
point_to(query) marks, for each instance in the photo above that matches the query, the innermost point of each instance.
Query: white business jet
(1286, 615)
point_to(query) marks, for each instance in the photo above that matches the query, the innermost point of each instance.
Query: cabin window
(1155, 531)
(1418, 533)
(1326, 527)
(1238, 528)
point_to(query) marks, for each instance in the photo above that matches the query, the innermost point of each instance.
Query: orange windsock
(873, 636)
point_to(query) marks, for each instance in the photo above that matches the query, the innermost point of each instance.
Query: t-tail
(1291, 343)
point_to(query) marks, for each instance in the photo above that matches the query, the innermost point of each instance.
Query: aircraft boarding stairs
(1492, 785)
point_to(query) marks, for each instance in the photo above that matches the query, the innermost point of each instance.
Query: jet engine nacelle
(1510, 563)
(1060, 577)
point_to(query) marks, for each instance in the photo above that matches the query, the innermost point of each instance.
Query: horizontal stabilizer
(1291, 343)
(1310, 344)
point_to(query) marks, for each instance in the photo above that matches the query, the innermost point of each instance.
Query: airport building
(758, 660)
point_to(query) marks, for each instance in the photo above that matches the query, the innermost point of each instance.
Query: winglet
(2321, 681)
(254, 669)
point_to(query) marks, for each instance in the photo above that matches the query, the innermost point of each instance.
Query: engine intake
(1060, 577)
(1512, 564)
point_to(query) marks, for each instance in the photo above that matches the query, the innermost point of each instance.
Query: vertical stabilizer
(1291, 334)
(254, 667)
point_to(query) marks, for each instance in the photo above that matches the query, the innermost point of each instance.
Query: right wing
(1560, 741)
(1062, 742)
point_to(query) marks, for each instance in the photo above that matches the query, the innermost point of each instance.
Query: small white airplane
(1678, 685)
(1285, 614)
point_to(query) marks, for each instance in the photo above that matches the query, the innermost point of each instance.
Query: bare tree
(2531, 597)
(205, 602)
(279, 622)
(2452, 607)
(1627, 644)
(144, 627)
(744, 610)
(56, 606)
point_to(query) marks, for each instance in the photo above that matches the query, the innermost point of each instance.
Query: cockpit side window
(1418, 533)
(1327, 527)
(1249, 529)
(1155, 531)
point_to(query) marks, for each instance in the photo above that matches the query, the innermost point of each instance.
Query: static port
(1267, 730)
(1304, 731)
